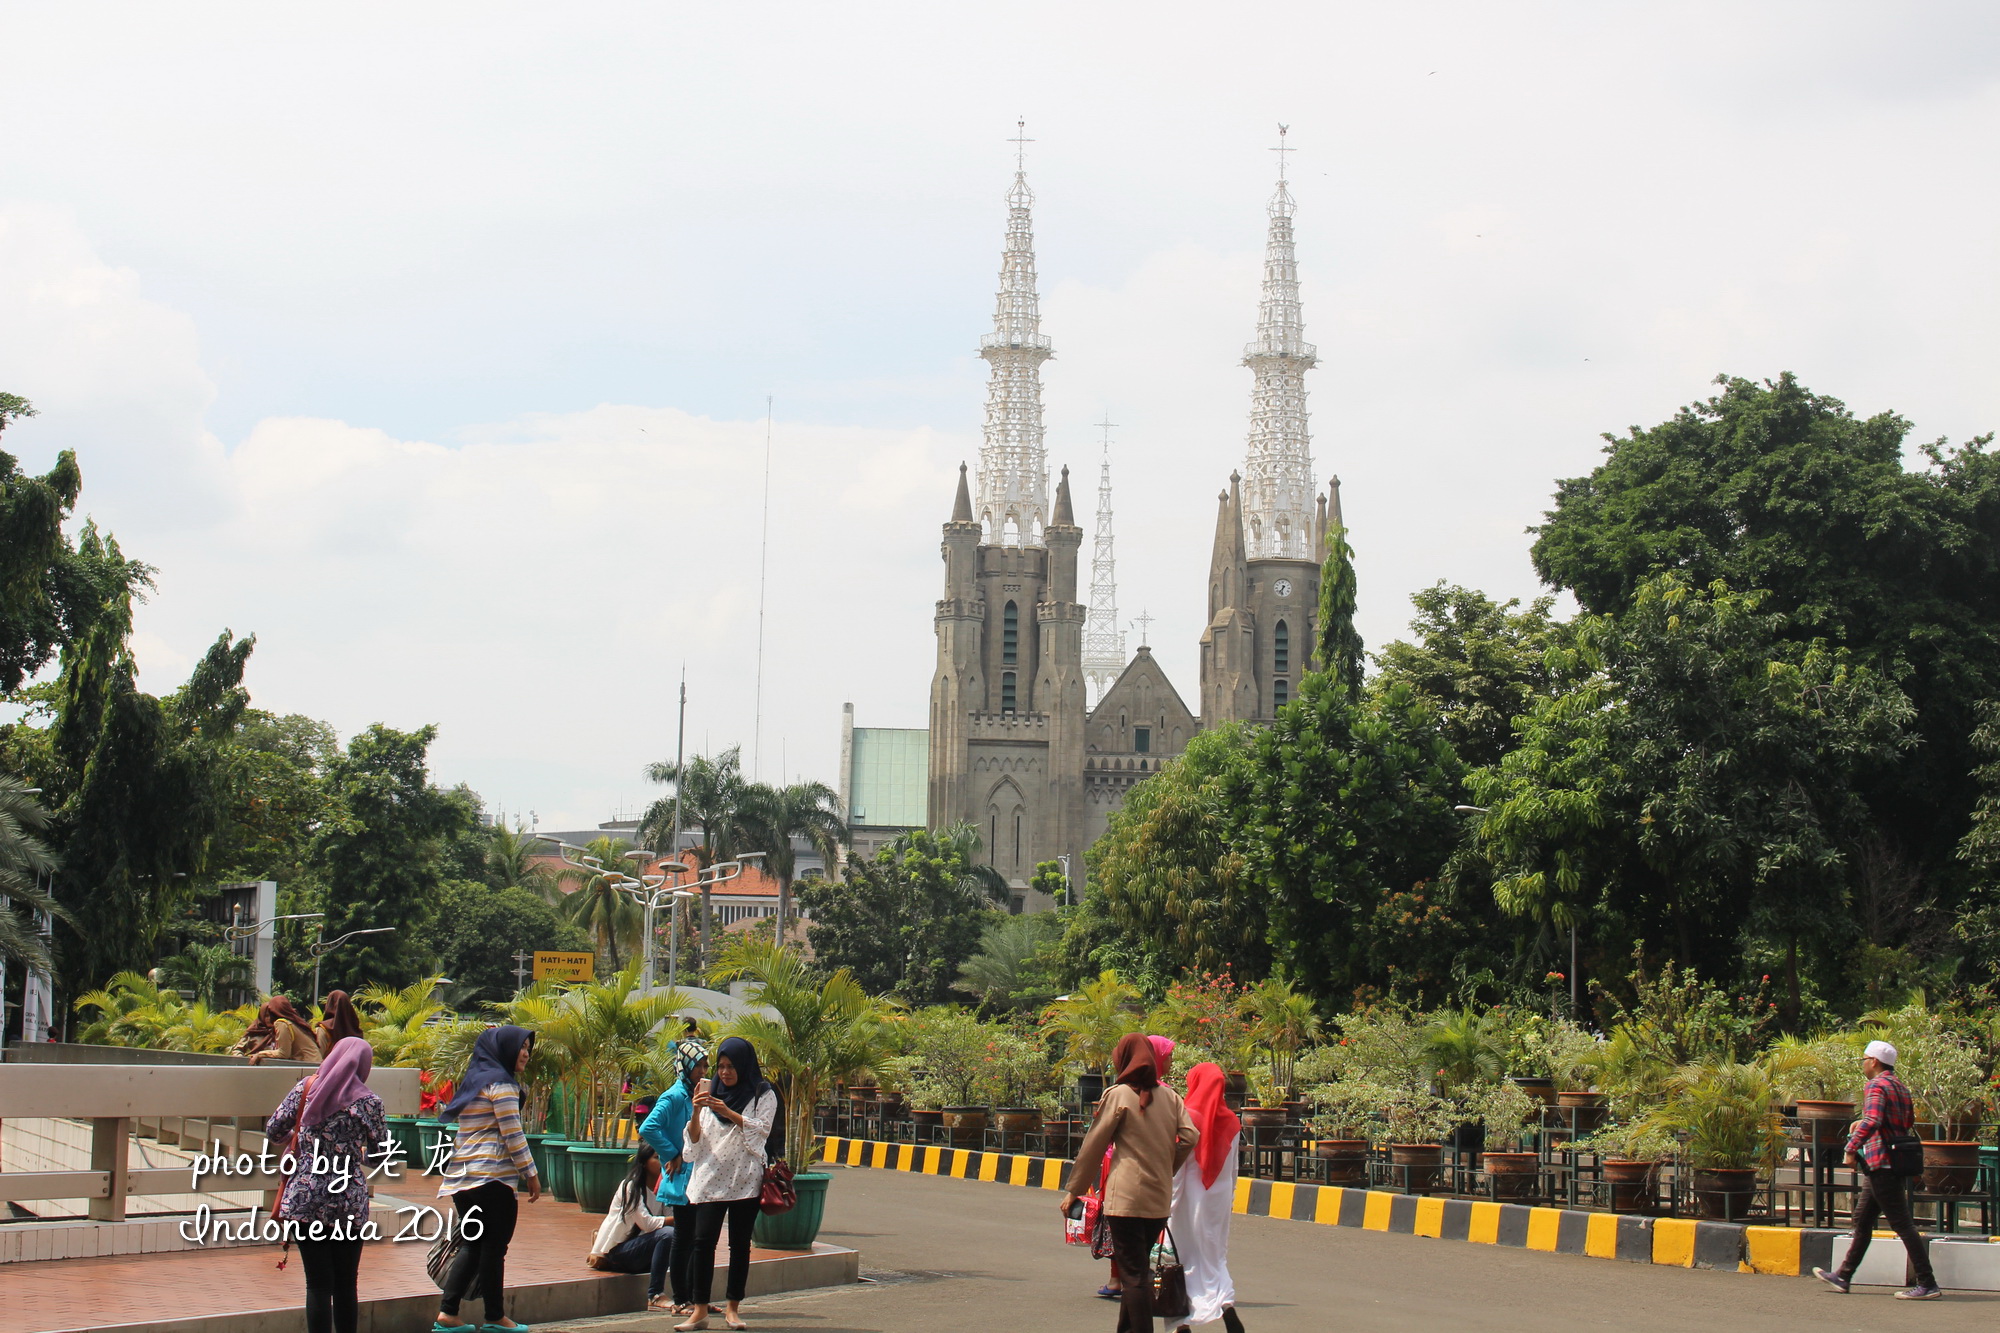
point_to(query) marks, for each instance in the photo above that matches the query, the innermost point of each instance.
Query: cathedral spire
(1013, 465)
(1278, 482)
(1103, 641)
(961, 508)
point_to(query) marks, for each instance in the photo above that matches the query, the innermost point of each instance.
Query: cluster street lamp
(650, 889)
(321, 948)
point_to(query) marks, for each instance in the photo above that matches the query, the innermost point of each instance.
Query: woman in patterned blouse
(727, 1145)
(331, 1123)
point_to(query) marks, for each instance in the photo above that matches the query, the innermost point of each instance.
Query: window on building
(1010, 635)
(1007, 696)
(1142, 740)
(1017, 904)
(1281, 648)
(1017, 837)
(1281, 693)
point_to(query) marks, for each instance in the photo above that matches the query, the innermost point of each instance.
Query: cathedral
(1017, 746)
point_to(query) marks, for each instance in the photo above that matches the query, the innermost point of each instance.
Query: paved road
(953, 1254)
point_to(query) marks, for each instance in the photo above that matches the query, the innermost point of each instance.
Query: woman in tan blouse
(280, 1032)
(1150, 1126)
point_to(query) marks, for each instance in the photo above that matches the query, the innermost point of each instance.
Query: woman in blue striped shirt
(489, 1162)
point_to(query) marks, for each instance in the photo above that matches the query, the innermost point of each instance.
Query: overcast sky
(431, 343)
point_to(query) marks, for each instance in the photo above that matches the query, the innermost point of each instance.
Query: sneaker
(1832, 1279)
(1919, 1293)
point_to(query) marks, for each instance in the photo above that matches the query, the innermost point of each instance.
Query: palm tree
(394, 1020)
(807, 810)
(512, 860)
(602, 1032)
(1093, 1018)
(206, 970)
(132, 1010)
(713, 795)
(24, 860)
(1001, 973)
(827, 1029)
(598, 904)
(1284, 1022)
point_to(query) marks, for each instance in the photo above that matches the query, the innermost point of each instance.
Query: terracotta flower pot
(1541, 1089)
(1346, 1160)
(1263, 1117)
(1586, 1109)
(966, 1123)
(1512, 1174)
(1950, 1167)
(1631, 1184)
(1810, 1110)
(1017, 1119)
(1725, 1192)
(1423, 1164)
(927, 1119)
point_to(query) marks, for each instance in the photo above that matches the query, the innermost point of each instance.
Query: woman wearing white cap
(1886, 1116)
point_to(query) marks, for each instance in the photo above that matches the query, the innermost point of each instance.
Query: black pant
(680, 1266)
(1881, 1194)
(1132, 1242)
(333, 1269)
(708, 1218)
(483, 1258)
(647, 1253)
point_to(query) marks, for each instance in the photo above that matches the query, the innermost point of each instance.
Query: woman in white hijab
(1204, 1197)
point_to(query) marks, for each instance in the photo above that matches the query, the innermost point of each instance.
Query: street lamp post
(1574, 1010)
(233, 933)
(321, 948)
(651, 890)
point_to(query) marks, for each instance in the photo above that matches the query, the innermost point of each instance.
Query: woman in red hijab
(1204, 1197)
(1148, 1124)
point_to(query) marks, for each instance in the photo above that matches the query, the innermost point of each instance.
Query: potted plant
(1021, 1080)
(1283, 1023)
(1725, 1114)
(1088, 1025)
(826, 1028)
(1269, 1110)
(1947, 1082)
(1630, 1152)
(1506, 1111)
(1411, 1124)
(1819, 1077)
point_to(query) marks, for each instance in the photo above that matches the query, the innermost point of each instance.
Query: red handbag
(779, 1195)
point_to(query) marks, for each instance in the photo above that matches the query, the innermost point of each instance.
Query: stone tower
(1270, 532)
(1007, 698)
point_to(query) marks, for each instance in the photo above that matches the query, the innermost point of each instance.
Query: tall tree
(50, 588)
(1479, 663)
(515, 860)
(597, 904)
(809, 811)
(1349, 806)
(25, 861)
(1702, 785)
(906, 921)
(715, 796)
(383, 852)
(1772, 487)
(481, 928)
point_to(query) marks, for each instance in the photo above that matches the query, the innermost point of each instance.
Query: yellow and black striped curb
(1681, 1242)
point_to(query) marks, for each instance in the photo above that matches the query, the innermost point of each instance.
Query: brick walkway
(549, 1245)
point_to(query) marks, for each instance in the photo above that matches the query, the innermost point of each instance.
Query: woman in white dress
(1204, 1198)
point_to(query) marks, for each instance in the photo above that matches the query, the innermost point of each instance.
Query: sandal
(1110, 1293)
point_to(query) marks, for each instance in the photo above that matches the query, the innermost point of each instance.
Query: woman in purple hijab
(331, 1123)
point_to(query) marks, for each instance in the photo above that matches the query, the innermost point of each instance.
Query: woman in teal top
(665, 1129)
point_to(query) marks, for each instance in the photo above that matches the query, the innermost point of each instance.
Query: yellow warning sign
(563, 966)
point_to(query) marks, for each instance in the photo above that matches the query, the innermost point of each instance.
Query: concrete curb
(1675, 1241)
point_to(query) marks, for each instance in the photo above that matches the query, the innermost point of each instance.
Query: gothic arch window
(1281, 693)
(1281, 646)
(1010, 634)
(1017, 835)
(1008, 700)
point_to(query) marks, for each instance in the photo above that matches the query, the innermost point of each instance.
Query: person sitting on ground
(635, 1236)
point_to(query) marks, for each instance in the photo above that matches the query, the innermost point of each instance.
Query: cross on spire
(1144, 621)
(1107, 426)
(1020, 142)
(1281, 150)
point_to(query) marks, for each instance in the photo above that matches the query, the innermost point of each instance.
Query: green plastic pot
(558, 1179)
(798, 1228)
(429, 1134)
(540, 1154)
(403, 1133)
(595, 1173)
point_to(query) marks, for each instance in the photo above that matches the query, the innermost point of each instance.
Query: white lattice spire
(1103, 641)
(1013, 464)
(1278, 491)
